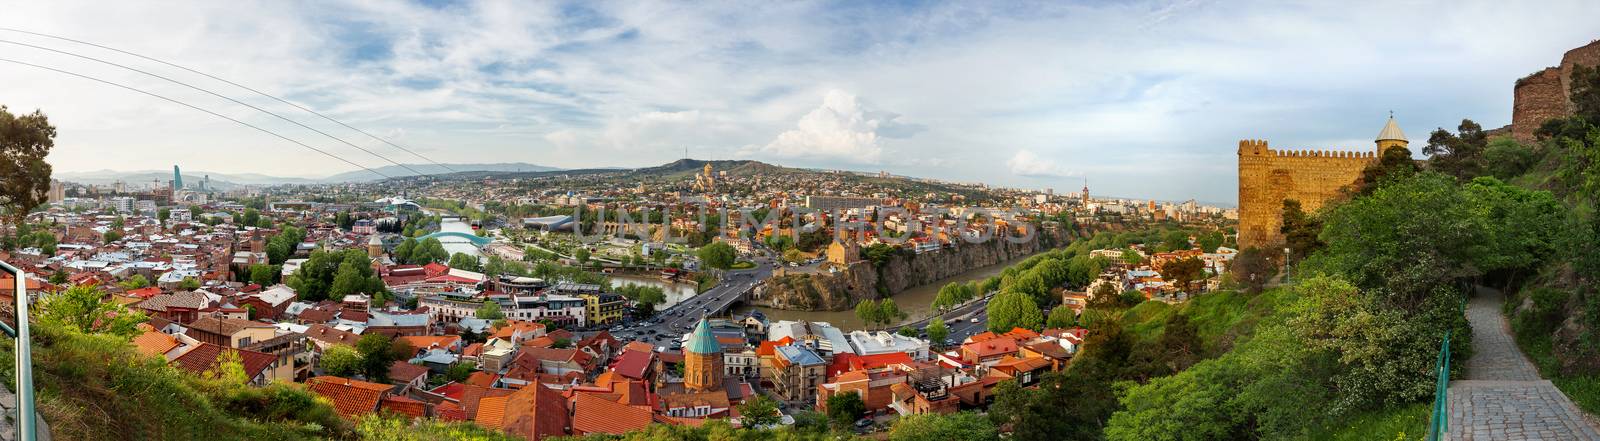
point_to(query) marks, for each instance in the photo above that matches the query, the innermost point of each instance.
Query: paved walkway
(1502, 396)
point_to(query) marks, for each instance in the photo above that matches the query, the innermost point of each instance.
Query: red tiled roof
(403, 372)
(482, 379)
(404, 406)
(492, 412)
(450, 411)
(351, 398)
(632, 364)
(154, 343)
(330, 335)
(536, 412)
(592, 414)
(204, 357)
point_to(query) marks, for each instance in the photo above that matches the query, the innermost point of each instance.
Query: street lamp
(1286, 279)
(25, 413)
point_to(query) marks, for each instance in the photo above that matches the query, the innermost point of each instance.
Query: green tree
(84, 308)
(1459, 154)
(845, 408)
(341, 361)
(490, 310)
(1299, 231)
(24, 175)
(937, 331)
(402, 252)
(888, 312)
(1393, 164)
(1131, 257)
(1210, 241)
(429, 250)
(189, 284)
(758, 412)
(1062, 317)
(1505, 158)
(465, 261)
(112, 236)
(135, 282)
(163, 214)
(868, 312)
(1183, 272)
(1253, 268)
(377, 353)
(263, 274)
(963, 426)
(1011, 309)
(251, 217)
(718, 255)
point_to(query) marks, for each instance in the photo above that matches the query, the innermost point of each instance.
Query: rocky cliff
(840, 290)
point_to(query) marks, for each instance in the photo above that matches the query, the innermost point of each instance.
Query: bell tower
(1390, 136)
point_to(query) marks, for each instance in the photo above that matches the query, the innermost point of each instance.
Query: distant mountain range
(225, 181)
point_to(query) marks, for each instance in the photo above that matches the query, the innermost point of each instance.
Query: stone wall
(824, 291)
(1267, 177)
(1543, 95)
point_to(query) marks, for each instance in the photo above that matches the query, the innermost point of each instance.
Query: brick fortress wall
(1543, 95)
(1267, 177)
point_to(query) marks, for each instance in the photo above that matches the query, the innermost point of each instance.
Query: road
(667, 325)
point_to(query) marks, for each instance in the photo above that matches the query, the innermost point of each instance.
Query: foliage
(937, 331)
(1210, 241)
(1393, 164)
(341, 361)
(283, 244)
(718, 255)
(1253, 268)
(24, 175)
(1505, 158)
(845, 408)
(964, 426)
(465, 261)
(377, 354)
(644, 294)
(135, 282)
(264, 274)
(1299, 231)
(1062, 317)
(760, 411)
(1459, 154)
(379, 427)
(83, 308)
(1183, 272)
(1011, 309)
(329, 274)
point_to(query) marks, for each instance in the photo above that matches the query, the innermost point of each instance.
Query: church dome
(1391, 132)
(703, 341)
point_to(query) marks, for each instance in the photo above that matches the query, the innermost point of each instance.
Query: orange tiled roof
(429, 341)
(351, 398)
(154, 343)
(492, 412)
(404, 406)
(592, 414)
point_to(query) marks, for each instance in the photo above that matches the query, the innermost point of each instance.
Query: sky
(1141, 99)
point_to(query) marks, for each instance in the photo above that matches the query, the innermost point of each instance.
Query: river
(915, 302)
(676, 292)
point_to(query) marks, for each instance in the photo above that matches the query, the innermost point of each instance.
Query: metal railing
(26, 418)
(1438, 421)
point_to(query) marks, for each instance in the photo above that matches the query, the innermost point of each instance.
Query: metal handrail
(26, 418)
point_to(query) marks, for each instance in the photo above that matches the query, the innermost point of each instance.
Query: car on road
(974, 320)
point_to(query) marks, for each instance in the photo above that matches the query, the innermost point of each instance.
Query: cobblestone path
(1502, 396)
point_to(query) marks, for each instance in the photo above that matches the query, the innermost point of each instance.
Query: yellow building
(604, 308)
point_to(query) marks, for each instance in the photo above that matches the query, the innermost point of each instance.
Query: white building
(873, 343)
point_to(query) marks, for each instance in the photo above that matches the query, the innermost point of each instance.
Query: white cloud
(842, 129)
(1026, 163)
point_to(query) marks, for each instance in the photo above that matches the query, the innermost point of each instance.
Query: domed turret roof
(1391, 132)
(702, 341)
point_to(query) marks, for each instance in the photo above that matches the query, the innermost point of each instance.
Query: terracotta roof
(404, 406)
(351, 398)
(638, 346)
(185, 299)
(330, 335)
(492, 412)
(224, 326)
(482, 379)
(592, 414)
(204, 357)
(429, 341)
(450, 411)
(536, 412)
(633, 364)
(154, 343)
(403, 372)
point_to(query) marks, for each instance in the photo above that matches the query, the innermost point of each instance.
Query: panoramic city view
(709, 221)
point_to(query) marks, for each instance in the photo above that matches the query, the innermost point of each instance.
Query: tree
(429, 250)
(1062, 317)
(83, 308)
(465, 261)
(582, 254)
(937, 331)
(251, 217)
(718, 255)
(1299, 231)
(959, 426)
(888, 312)
(24, 175)
(1210, 241)
(58, 278)
(1393, 164)
(1011, 309)
(1175, 240)
(868, 312)
(845, 408)
(1253, 268)
(1131, 257)
(135, 282)
(112, 236)
(490, 310)
(189, 284)
(263, 274)
(1184, 272)
(402, 253)
(377, 353)
(341, 361)
(758, 412)
(1458, 154)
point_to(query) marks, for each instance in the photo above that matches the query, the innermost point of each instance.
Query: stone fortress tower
(1267, 177)
(702, 360)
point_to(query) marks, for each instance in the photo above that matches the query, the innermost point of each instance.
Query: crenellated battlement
(1258, 147)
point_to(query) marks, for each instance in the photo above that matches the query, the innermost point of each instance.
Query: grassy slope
(1224, 318)
(97, 387)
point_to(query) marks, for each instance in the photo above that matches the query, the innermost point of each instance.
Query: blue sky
(1143, 99)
